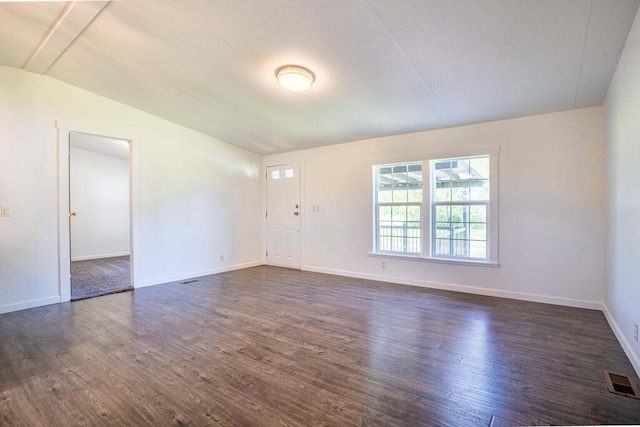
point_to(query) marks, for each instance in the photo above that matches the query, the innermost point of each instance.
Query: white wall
(622, 130)
(551, 208)
(199, 197)
(100, 195)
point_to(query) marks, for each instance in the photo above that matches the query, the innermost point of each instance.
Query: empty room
(341, 212)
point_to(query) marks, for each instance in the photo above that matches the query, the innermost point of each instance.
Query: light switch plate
(5, 211)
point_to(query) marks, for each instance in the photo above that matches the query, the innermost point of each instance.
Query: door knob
(296, 213)
(73, 213)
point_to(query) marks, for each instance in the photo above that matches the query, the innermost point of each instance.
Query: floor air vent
(186, 282)
(620, 384)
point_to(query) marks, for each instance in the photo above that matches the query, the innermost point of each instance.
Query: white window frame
(428, 210)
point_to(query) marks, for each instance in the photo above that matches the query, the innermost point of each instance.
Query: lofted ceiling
(382, 67)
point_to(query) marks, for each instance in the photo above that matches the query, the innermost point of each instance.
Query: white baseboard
(29, 304)
(547, 299)
(184, 276)
(88, 257)
(626, 346)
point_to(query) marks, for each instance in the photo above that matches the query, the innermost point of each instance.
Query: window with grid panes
(398, 208)
(460, 202)
(439, 209)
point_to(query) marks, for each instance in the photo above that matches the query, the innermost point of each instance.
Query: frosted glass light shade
(295, 78)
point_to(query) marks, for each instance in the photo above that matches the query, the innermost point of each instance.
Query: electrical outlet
(384, 265)
(635, 333)
(221, 258)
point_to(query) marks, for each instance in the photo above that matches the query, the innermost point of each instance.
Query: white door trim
(63, 129)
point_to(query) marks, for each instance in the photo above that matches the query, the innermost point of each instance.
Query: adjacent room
(364, 212)
(99, 233)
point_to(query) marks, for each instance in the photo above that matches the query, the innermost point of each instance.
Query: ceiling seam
(584, 43)
(424, 83)
(77, 37)
(256, 61)
(47, 36)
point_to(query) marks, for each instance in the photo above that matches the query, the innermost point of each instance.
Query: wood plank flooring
(277, 347)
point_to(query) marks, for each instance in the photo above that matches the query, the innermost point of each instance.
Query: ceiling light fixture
(295, 78)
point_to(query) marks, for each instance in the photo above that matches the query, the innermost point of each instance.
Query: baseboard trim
(168, 279)
(546, 299)
(88, 257)
(29, 304)
(626, 345)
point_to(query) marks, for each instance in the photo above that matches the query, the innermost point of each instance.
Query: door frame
(303, 211)
(63, 130)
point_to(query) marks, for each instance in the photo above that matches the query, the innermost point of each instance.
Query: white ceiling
(382, 67)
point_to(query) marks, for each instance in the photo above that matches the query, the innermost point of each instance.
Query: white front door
(283, 216)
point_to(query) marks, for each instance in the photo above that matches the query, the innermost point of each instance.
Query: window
(399, 208)
(454, 218)
(459, 206)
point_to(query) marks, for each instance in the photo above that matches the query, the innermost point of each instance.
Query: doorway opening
(99, 215)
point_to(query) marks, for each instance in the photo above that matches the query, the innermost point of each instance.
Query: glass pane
(413, 246)
(275, 174)
(461, 169)
(288, 173)
(399, 213)
(443, 194)
(415, 195)
(478, 214)
(480, 167)
(443, 167)
(385, 243)
(480, 189)
(460, 213)
(478, 249)
(385, 196)
(460, 191)
(385, 228)
(443, 230)
(384, 213)
(443, 213)
(400, 194)
(400, 169)
(442, 247)
(460, 230)
(442, 174)
(460, 248)
(396, 244)
(385, 184)
(413, 213)
(478, 232)
(413, 229)
(414, 186)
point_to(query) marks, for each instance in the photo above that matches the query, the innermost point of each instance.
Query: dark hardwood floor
(270, 346)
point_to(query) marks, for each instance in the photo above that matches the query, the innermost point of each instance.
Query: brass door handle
(73, 213)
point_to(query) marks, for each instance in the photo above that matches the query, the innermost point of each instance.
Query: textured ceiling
(382, 67)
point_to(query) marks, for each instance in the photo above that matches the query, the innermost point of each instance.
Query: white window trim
(427, 211)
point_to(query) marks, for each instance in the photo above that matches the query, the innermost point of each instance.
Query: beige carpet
(96, 277)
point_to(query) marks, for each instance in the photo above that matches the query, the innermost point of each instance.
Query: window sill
(436, 260)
